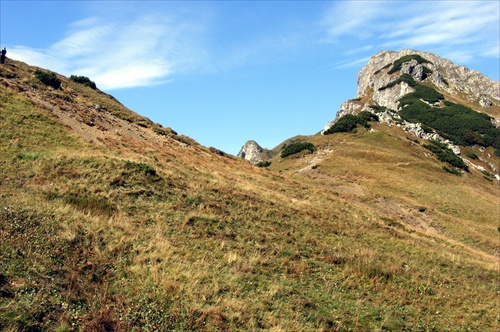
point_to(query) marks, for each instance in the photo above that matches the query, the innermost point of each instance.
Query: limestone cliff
(254, 153)
(375, 88)
(409, 87)
(444, 74)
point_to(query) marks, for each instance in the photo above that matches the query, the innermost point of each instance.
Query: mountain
(456, 81)
(254, 153)
(431, 98)
(110, 222)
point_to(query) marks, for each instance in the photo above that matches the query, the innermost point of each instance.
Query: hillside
(110, 222)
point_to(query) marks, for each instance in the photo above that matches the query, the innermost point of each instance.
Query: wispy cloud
(460, 30)
(121, 54)
(350, 18)
(350, 63)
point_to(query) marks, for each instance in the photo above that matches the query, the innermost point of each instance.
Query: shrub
(185, 140)
(426, 93)
(458, 123)
(414, 140)
(297, 147)
(345, 124)
(403, 78)
(142, 167)
(452, 170)
(398, 63)
(427, 71)
(364, 117)
(49, 78)
(217, 151)
(444, 154)
(487, 174)
(83, 80)
(349, 122)
(384, 67)
(378, 109)
(263, 163)
(472, 155)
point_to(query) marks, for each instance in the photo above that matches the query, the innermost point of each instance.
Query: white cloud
(351, 63)
(350, 18)
(122, 54)
(464, 29)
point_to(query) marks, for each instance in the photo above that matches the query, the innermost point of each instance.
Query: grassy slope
(91, 241)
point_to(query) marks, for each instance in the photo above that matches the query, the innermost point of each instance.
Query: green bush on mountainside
(263, 164)
(378, 108)
(83, 80)
(49, 78)
(349, 122)
(141, 167)
(446, 155)
(297, 147)
(456, 122)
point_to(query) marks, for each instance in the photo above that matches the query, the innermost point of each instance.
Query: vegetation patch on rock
(399, 62)
(446, 155)
(349, 122)
(456, 122)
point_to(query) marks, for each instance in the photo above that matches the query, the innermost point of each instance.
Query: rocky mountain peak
(425, 66)
(378, 82)
(254, 153)
(430, 97)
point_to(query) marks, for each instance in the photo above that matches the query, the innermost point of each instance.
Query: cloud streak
(122, 54)
(460, 30)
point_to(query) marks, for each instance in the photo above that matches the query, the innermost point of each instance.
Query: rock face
(254, 153)
(447, 77)
(442, 73)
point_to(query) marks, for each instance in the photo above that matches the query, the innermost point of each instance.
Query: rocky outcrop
(254, 153)
(353, 106)
(375, 83)
(389, 76)
(418, 131)
(443, 73)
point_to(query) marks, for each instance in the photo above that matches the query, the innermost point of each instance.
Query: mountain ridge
(112, 222)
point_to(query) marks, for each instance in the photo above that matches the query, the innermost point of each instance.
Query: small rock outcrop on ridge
(254, 153)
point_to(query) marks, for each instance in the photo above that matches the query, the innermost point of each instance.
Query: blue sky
(224, 72)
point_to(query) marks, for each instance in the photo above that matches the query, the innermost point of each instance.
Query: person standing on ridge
(2, 58)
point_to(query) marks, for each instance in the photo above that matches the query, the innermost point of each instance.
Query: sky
(224, 72)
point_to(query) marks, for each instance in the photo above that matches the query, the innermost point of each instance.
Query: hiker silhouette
(2, 58)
